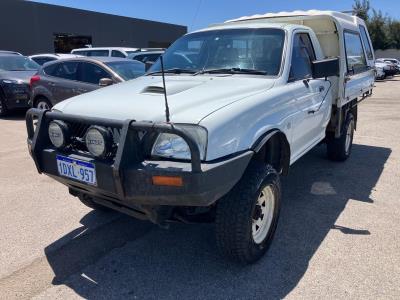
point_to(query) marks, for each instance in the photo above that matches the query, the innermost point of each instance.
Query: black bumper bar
(128, 179)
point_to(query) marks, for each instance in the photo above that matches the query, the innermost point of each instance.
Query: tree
(393, 27)
(378, 30)
(361, 9)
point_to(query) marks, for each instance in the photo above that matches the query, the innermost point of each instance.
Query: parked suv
(240, 102)
(15, 73)
(57, 81)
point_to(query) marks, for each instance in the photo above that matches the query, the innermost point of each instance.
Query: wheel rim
(43, 105)
(349, 134)
(263, 215)
(1, 107)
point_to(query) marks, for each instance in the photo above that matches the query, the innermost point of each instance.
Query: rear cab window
(355, 57)
(366, 42)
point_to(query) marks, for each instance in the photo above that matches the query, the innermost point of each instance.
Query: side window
(91, 73)
(116, 53)
(153, 57)
(355, 57)
(66, 70)
(97, 53)
(42, 60)
(366, 42)
(140, 57)
(302, 56)
(83, 53)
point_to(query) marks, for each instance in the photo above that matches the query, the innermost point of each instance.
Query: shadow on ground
(15, 115)
(129, 258)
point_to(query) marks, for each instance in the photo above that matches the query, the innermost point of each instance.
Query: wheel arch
(37, 97)
(273, 148)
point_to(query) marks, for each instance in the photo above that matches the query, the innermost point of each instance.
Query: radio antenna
(165, 90)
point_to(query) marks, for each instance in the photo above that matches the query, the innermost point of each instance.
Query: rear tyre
(43, 103)
(339, 149)
(247, 216)
(3, 106)
(90, 203)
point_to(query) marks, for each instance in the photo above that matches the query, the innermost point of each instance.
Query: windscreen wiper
(231, 71)
(173, 71)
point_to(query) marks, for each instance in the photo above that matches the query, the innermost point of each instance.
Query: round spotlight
(58, 133)
(98, 141)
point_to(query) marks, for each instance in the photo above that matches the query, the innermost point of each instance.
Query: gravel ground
(337, 236)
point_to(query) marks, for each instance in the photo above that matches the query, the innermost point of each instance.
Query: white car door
(308, 123)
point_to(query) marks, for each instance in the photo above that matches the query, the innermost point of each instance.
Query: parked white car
(43, 58)
(110, 51)
(381, 70)
(242, 102)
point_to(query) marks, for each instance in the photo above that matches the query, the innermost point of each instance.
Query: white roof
(340, 17)
(107, 48)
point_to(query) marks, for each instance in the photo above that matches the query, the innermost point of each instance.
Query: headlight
(58, 133)
(9, 81)
(98, 141)
(173, 146)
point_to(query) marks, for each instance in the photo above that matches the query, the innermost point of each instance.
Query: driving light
(58, 133)
(98, 141)
(173, 146)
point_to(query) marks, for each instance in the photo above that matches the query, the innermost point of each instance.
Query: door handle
(321, 88)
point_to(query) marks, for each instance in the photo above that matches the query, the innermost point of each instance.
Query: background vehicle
(9, 52)
(62, 79)
(380, 70)
(394, 61)
(146, 56)
(109, 51)
(15, 73)
(390, 69)
(41, 59)
(245, 100)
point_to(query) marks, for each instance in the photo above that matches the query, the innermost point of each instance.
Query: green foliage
(361, 9)
(384, 31)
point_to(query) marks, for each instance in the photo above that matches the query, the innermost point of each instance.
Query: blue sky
(199, 13)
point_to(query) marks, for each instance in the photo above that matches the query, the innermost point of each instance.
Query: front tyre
(339, 149)
(247, 216)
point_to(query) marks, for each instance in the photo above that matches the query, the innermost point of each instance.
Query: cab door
(309, 94)
(360, 74)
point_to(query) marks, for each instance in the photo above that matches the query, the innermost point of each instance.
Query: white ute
(242, 101)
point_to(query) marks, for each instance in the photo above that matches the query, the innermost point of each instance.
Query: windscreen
(127, 69)
(257, 49)
(17, 63)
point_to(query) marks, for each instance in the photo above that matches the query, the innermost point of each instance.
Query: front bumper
(128, 179)
(17, 96)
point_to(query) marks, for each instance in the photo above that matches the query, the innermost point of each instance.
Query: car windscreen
(17, 63)
(127, 69)
(131, 52)
(257, 49)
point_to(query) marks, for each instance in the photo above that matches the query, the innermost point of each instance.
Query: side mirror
(325, 68)
(148, 65)
(106, 82)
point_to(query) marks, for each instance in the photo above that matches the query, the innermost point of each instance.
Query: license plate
(76, 169)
